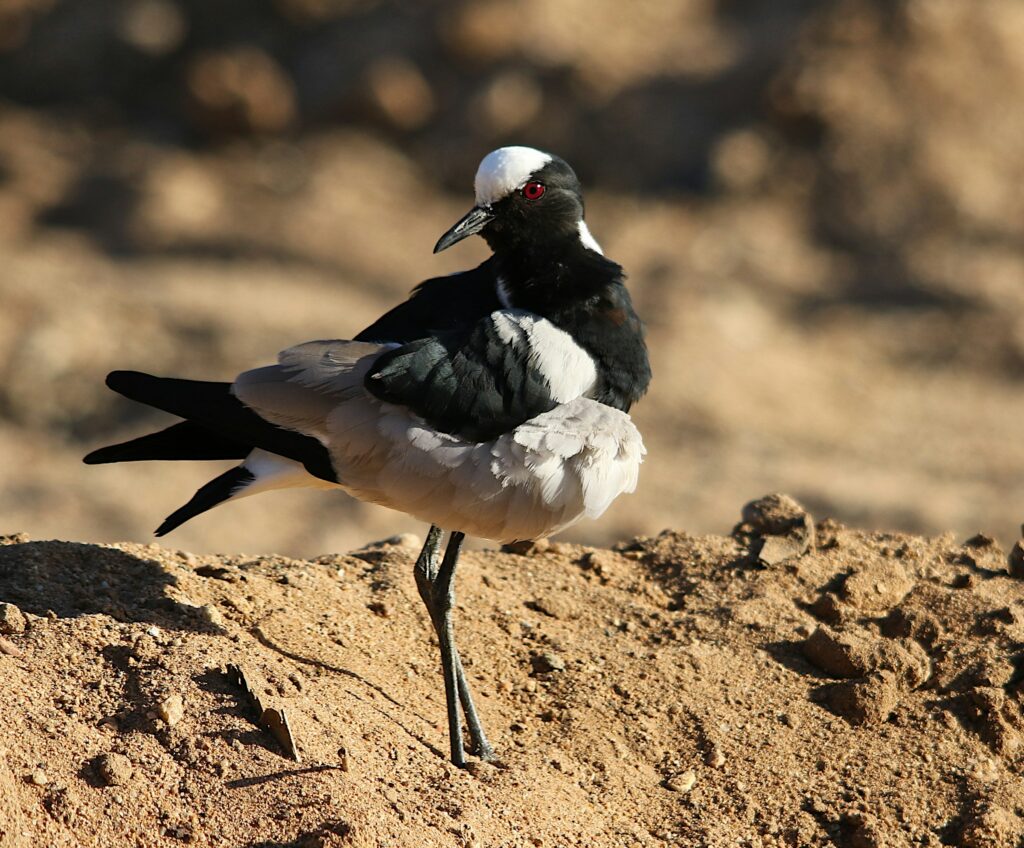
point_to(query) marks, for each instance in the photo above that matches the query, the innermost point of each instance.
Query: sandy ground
(680, 690)
(818, 207)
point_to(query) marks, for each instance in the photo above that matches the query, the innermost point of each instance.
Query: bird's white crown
(504, 170)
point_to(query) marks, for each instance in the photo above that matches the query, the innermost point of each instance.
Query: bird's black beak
(475, 220)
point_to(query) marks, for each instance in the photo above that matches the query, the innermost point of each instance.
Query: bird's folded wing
(308, 383)
(487, 379)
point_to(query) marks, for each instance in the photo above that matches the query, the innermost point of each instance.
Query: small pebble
(682, 782)
(543, 663)
(38, 777)
(379, 608)
(209, 614)
(9, 648)
(114, 769)
(171, 709)
(528, 548)
(715, 758)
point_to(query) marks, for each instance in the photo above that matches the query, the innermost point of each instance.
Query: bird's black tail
(217, 425)
(184, 440)
(218, 490)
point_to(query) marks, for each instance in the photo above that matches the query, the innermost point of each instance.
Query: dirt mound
(861, 690)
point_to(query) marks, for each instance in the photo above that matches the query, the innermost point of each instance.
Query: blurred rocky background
(820, 204)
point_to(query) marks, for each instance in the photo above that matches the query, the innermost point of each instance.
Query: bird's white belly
(545, 475)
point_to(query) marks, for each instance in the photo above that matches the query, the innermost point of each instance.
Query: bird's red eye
(533, 191)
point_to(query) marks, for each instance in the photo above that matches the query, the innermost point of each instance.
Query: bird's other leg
(444, 599)
(434, 599)
(481, 747)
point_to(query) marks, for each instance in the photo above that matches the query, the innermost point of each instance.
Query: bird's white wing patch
(504, 170)
(567, 368)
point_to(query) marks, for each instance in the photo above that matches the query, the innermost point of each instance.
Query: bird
(493, 402)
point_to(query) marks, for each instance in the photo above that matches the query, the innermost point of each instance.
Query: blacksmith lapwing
(492, 402)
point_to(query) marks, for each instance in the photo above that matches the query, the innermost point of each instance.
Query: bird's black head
(523, 197)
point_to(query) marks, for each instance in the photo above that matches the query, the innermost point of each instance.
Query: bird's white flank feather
(506, 169)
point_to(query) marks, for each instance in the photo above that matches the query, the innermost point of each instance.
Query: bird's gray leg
(481, 747)
(444, 599)
(426, 577)
(426, 567)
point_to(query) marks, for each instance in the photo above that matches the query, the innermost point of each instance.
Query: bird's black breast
(583, 293)
(608, 328)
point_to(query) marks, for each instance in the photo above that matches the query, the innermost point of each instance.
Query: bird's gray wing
(308, 383)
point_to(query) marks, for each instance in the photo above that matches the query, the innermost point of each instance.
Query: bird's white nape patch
(587, 239)
(504, 170)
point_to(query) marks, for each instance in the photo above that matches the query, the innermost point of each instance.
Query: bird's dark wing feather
(212, 406)
(438, 305)
(467, 382)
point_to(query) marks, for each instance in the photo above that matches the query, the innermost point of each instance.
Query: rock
(682, 782)
(777, 528)
(401, 540)
(715, 758)
(869, 700)
(379, 608)
(777, 515)
(553, 606)
(989, 709)
(981, 551)
(604, 564)
(774, 515)
(405, 540)
(777, 549)
(12, 619)
(913, 623)
(1015, 562)
(838, 654)
(547, 662)
(114, 769)
(850, 655)
(865, 831)
(989, 825)
(527, 547)
(9, 648)
(828, 607)
(171, 709)
(38, 777)
(210, 615)
(876, 588)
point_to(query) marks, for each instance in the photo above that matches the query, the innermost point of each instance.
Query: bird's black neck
(582, 292)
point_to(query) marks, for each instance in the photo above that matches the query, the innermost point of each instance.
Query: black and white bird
(492, 402)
